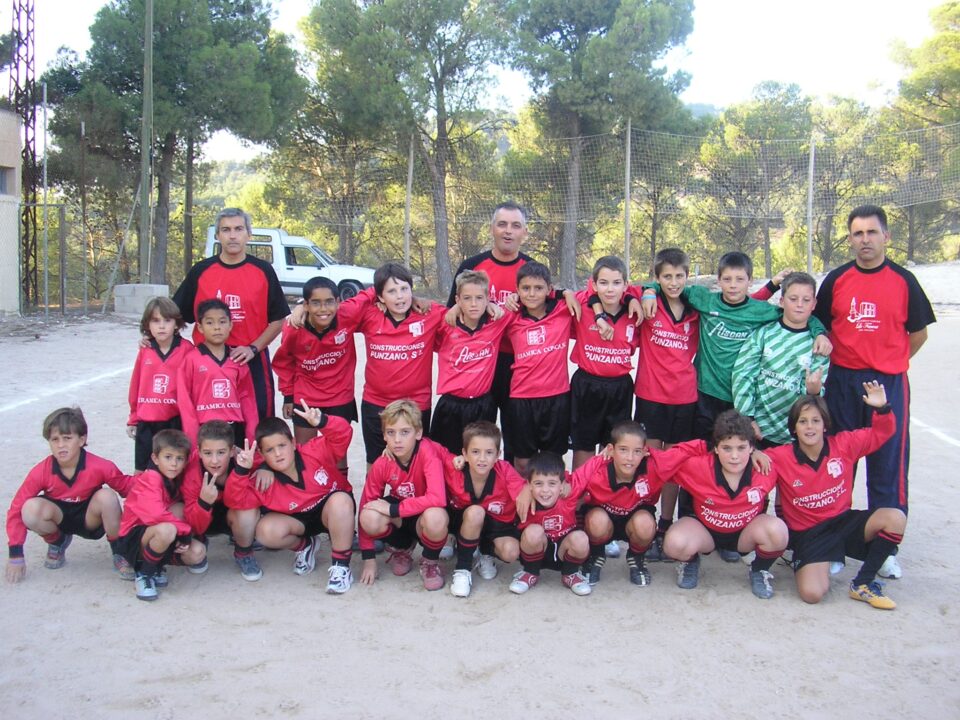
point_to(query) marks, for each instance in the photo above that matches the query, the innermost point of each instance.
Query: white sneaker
(890, 568)
(306, 558)
(836, 568)
(612, 549)
(340, 579)
(487, 567)
(446, 552)
(461, 583)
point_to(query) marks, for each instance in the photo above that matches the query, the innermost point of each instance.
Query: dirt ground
(78, 644)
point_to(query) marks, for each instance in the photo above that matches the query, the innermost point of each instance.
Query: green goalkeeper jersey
(770, 374)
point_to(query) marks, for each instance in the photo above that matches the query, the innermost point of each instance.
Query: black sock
(764, 560)
(531, 563)
(571, 564)
(884, 544)
(663, 524)
(465, 549)
(152, 561)
(597, 552)
(242, 550)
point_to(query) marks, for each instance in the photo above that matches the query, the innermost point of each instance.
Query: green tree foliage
(931, 89)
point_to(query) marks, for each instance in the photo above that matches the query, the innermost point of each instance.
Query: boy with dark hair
(308, 496)
(729, 497)
(481, 497)
(776, 364)
(211, 385)
(151, 530)
(64, 495)
(414, 508)
(153, 384)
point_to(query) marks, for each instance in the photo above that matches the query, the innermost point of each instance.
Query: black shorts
(596, 405)
(540, 424)
(708, 408)
(312, 520)
(668, 423)
(372, 429)
(502, 376)
(347, 411)
(405, 536)
(452, 414)
(551, 555)
(261, 375)
(491, 530)
(74, 519)
(218, 520)
(130, 546)
(620, 521)
(143, 441)
(726, 541)
(833, 539)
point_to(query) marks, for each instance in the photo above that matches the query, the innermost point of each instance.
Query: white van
(297, 259)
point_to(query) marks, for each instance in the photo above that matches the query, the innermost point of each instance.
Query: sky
(827, 47)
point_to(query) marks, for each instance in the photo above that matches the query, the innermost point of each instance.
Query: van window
(301, 256)
(264, 252)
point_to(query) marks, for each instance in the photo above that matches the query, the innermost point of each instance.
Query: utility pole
(146, 142)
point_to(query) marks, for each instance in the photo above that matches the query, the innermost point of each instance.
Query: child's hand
(876, 394)
(452, 315)
(524, 503)
(378, 506)
(144, 342)
(245, 456)
(565, 489)
(287, 411)
(421, 306)
(368, 574)
(311, 415)
(649, 305)
(635, 310)
(605, 329)
(512, 303)
(459, 462)
(757, 432)
(573, 305)
(494, 311)
(814, 381)
(208, 491)
(16, 570)
(778, 278)
(132, 432)
(388, 455)
(263, 479)
(607, 452)
(761, 462)
(297, 316)
(822, 346)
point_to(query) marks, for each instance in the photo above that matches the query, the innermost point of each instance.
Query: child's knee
(474, 516)
(508, 551)
(642, 526)
(533, 539)
(597, 523)
(435, 521)
(105, 500)
(578, 543)
(812, 592)
(373, 522)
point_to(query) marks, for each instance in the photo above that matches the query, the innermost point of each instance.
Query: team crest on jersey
(495, 508)
(657, 324)
(341, 337)
(630, 330)
(232, 301)
(754, 496)
(798, 483)
(536, 336)
(160, 384)
(835, 467)
(863, 315)
(686, 328)
(805, 361)
(553, 523)
(416, 329)
(321, 477)
(292, 506)
(406, 490)
(641, 488)
(709, 501)
(220, 388)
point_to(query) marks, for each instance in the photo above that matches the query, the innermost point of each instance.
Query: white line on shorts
(64, 389)
(938, 434)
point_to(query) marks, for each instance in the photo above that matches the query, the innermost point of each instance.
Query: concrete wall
(9, 212)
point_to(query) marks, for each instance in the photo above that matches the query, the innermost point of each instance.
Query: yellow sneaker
(872, 594)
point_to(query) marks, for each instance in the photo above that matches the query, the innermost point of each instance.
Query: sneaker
(160, 580)
(146, 587)
(873, 595)
(688, 574)
(730, 556)
(594, 569)
(577, 582)
(446, 552)
(461, 583)
(612, 549)
(199, 568)
(639, 574)
(761, 583)
(400, 561)
(836, 568)
(56, 554)
(124, 568)
(249, 567)
(523, 581)
(307, 558)
(487, 567)
(655, 552)
(431, 575)
(340, 579)
(890, 568)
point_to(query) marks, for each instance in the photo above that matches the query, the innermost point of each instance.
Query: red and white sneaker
(431, 574)
(523, 581)
(400, 561)
(578, 583)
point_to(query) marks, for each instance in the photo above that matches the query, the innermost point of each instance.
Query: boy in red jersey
(549, 534)
(65, 496)
(153, 385)
(152, 530)
(466, 361)
(815, 485)
(211, 385)
(203, 502)
(414, 507)
(481, 504)
(729, 497)
(308, 496)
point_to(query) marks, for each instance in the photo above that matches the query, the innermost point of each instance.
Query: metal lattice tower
(23, 81)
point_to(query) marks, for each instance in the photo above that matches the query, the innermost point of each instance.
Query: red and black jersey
(317, 474)
(210, 389)
(811, 491)
(250, 289)
(153, 385)
(540, 351)
(197, 512)
(319, 365)
(599, 357)
(149, 503)
(659, 467)
(466, 359)
(870, 314)
(413, 487)
(717, 506)
(499, 492)
(668, 345)
(561, 519)
(46, 479)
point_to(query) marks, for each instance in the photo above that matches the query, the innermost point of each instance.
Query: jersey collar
(81, 465)
(487, 486)
(804, 459)
(320, 334)
(637, 474)
(745, 479)
(298, 466)
(173, 346)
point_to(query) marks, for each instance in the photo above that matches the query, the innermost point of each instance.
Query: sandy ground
(77, 643)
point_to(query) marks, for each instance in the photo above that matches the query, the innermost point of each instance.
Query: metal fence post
(810, 171)
(626, 204)
(62, 233)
